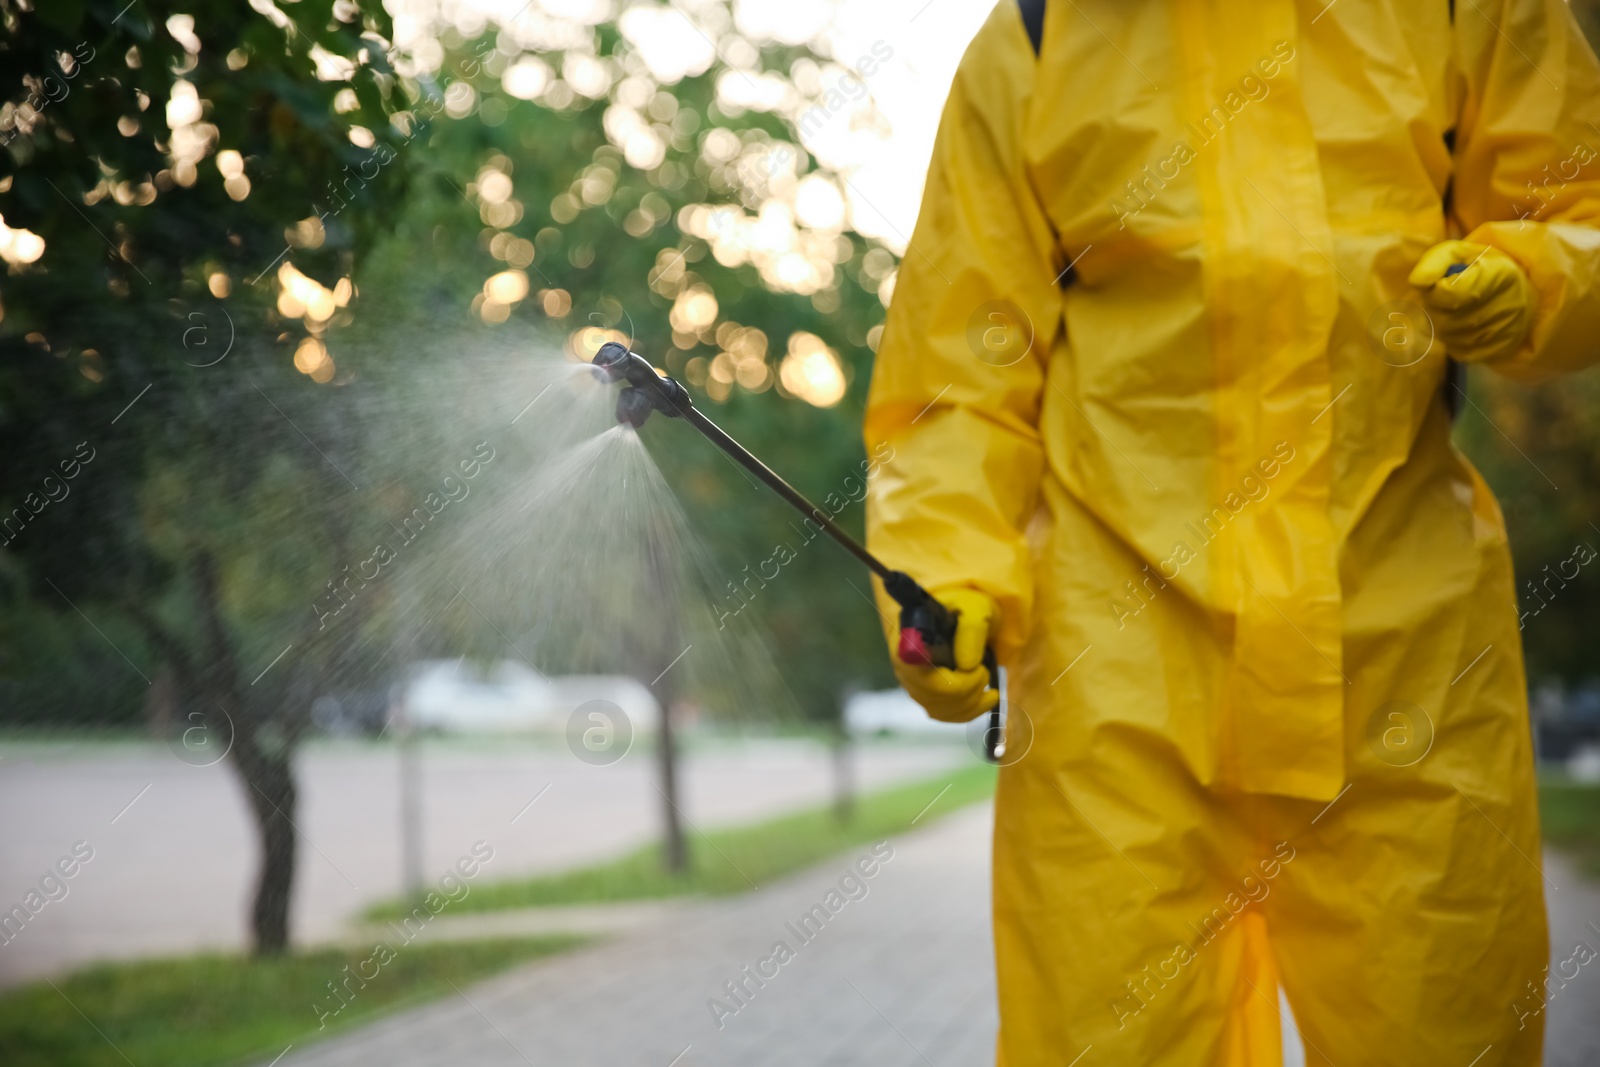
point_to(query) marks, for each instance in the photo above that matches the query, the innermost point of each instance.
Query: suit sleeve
(1528, 167)
(953, 412)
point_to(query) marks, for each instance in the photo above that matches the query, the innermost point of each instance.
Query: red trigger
(913, 649)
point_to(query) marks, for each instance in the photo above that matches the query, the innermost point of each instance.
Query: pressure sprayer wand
(927, 627)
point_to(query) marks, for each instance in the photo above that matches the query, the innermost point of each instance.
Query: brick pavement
(901, 976)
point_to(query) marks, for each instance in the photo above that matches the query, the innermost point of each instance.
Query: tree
(1538, 448)
(209, 208)
(162, 168)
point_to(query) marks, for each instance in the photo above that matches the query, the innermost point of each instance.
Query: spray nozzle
(633, 407)
(646, 390)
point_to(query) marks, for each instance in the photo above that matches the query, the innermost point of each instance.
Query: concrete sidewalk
(1572, 1031)
(874, 984)
(901, 977)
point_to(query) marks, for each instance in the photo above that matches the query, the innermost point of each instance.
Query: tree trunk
(844, 784)
(270, 783)
(674, 854)
(658, 646)
(265, 729)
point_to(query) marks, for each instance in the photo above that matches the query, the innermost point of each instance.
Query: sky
(870, 114)
(924, 40)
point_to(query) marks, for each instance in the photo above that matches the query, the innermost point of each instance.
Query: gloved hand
(1483, 312)
(960, 694)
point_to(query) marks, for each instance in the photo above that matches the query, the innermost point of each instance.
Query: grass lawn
(195, 1011)
(1570, 815)
(732, 860)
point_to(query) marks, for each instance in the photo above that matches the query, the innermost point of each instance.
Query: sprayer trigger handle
(913, 649)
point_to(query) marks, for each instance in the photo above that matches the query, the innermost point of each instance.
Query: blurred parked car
(892, 711)
(355, 713)
(458, 696)
(1566, 725)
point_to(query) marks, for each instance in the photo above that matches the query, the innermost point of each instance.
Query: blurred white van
(458, 696)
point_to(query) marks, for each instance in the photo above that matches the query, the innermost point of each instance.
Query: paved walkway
(902, 977)
(1572, 1032)
(876, 985)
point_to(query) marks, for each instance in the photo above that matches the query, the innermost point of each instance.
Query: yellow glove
(960, 694)
(1483, 312)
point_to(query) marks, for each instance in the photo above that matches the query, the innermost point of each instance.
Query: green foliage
(198, 1011)
(248, 461)
(740, 858)
(1539, 449)
(168, 159)
(1569, 815)
(1587, 12)
(104, 122)
(113, 341)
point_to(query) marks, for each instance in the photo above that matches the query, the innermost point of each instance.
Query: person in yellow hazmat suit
(1166, 381)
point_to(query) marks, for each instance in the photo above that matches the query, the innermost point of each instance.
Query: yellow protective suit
(1260, 613)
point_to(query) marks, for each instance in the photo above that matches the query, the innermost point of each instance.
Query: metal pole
(844, 778)
(410, 773)
(775, 482)
(660, 658)
(674, 854)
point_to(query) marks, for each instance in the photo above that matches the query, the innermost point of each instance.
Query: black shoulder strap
(1033, 21)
